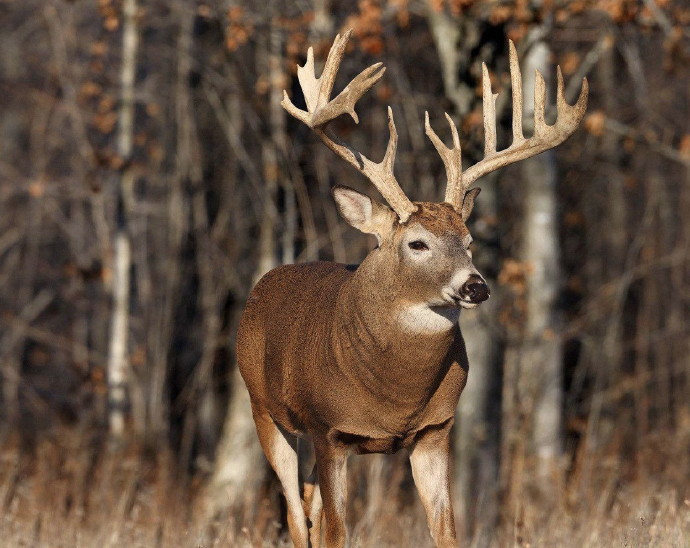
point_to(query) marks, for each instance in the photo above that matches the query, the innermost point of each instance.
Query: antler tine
(489, 107)
(571, 115)
(540, 127)
(516, 87)
(545, 137)
(321, 111)
(317, 91)
(452, 159)
(330, 69)
(388, 161)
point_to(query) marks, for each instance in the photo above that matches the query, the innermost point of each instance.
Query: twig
(31, 311)
(666, 151)
(590, 60)
(661, 18)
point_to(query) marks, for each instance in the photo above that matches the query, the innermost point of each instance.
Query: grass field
(72, 491)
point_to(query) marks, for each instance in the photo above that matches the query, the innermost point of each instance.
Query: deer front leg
(430, 459)
(332, 482)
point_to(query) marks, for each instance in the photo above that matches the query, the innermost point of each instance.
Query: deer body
(370, 358)
(328, 364)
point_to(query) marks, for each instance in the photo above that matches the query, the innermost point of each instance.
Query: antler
(544, 138)
(321, 111)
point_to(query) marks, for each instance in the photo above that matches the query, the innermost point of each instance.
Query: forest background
(149, 176)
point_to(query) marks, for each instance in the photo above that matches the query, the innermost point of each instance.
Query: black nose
(475, 289)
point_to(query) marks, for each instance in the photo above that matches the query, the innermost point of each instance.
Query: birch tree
(119, 375)
(541, 375)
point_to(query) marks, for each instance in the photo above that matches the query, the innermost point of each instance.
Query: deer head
(426, 245)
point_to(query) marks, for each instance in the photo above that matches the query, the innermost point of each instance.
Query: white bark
(118, 363)
(239, 466)
(541, 367)
(454, 39)
(477, 439)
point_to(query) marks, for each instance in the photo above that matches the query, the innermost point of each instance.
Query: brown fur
(439, 218)
(323, 357)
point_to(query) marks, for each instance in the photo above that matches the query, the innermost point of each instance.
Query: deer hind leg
(313, 506)
(281, 451)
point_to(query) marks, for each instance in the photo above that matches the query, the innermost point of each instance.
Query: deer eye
(418, 245)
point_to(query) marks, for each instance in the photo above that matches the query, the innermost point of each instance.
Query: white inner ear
(354, 207)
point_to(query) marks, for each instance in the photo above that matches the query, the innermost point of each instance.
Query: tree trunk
(541, 376)
(269, 154)
(239, 468)
(118, 362)
(455, 38)
(478, 432)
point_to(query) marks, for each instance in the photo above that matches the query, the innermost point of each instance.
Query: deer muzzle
(475, 289)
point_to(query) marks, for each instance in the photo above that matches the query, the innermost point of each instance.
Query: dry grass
(71, 491)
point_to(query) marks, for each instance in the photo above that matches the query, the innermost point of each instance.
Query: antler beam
(545, 137)
(321, 110)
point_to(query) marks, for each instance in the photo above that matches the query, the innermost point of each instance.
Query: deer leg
(313, 506)
(281, 451)
(332, 482)
(430, 459)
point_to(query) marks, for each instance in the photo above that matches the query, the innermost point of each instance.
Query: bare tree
(541, 376)
(119, 375)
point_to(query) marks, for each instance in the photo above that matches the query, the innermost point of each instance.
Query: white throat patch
(423, 319)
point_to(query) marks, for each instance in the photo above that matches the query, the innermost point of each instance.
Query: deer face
(435, 259)
(429, 255)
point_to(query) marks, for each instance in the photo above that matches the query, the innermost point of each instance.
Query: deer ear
(363, 213)
(468, 202)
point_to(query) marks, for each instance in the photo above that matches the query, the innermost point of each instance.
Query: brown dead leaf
(594, 123)
(37, 189)
(111, 23)
(106, 104)
(570, 62)
(500, 15)
(262, 85)
(514, 274)
(153, 110)
(573, 218)
(684, 147)
(105, 123)
(99, 48)
(90, 89)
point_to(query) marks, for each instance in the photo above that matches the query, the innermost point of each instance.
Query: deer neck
(380, 325)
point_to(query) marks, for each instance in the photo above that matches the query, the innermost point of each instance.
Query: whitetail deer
(370, 359)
